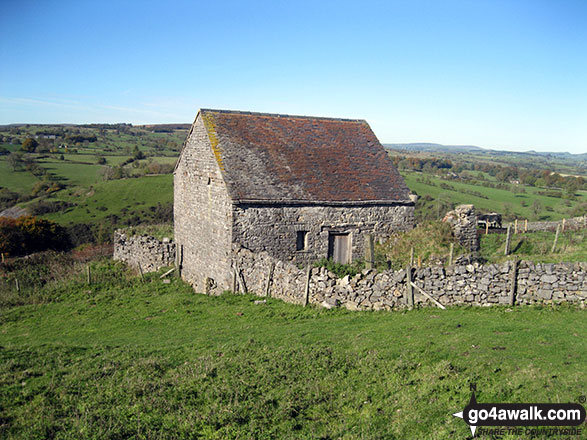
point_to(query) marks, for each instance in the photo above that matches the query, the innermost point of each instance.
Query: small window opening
(301, 240)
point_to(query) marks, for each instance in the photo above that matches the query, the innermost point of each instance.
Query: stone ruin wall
(144, 251)
(472, 284)
(463, 220)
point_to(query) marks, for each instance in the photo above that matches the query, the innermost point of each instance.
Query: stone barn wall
(273, 229)
(202, 215)
(148, 252)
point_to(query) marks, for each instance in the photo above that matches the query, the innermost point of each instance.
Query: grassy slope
(155, 360)
(73, 173)
(116, 195)
(21, 181)
(496, 197)
(537, 247)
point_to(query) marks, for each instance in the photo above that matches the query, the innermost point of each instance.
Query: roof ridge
(280, 115)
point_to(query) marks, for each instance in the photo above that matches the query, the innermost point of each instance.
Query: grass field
(494, 200)
(73, 173)
(21, 182)
(537, 246)
(125, 359)
(112, 197)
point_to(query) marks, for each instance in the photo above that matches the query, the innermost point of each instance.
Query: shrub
(341, 270)
(29, 234)
(431, 242)
(46, 207)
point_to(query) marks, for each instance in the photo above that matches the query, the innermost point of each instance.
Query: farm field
(124, 358)
(123, 197)
(518, 205)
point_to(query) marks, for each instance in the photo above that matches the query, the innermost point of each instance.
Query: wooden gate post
(508, 240)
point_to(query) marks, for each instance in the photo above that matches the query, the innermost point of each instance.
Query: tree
(25, 235)
(15, 161)
(571, 186)
(138, 154)
(537, 207)
(29, 145)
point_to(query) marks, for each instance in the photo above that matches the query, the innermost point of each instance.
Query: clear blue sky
(498, 74)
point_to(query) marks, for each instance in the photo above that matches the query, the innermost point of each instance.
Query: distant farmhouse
(300, 188)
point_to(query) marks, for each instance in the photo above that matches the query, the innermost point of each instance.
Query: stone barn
(300, 188)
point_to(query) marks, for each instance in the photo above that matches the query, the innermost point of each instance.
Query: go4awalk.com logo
(512, 417)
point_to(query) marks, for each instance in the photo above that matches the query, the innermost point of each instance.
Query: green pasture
(123, 358)
(114, 196)
(19, 181)
(74, 174)
(497, 199)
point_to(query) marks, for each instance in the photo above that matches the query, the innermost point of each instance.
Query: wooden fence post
(419, 261)
(515, 226)
(409, 289)
(89, 274)
(369, 251)
(3, 257)
(513, 281)
(307, 287)
(486, 227)
(508, 240)
(17, 285)
(526, 225)
(563, 228)
(451, 255)
(412, 256)
(558, 228)
(269, 279)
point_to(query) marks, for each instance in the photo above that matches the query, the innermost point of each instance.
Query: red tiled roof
(282, 158)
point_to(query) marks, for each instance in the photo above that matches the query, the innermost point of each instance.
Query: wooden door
(339, 248)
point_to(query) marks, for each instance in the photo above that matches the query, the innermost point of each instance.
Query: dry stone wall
(148, 252)
(472, 284)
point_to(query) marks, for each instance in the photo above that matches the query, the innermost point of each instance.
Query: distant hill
(423, 146)
(431, 147)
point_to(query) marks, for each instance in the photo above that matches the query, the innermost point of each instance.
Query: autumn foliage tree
(26, 235)
(29, 145)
